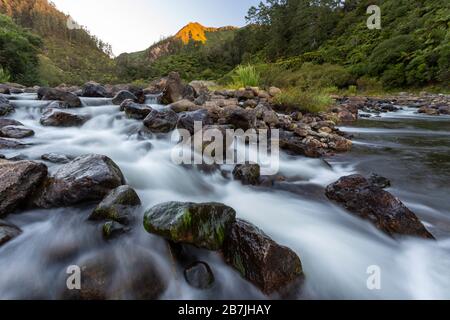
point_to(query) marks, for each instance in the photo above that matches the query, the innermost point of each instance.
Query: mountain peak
(197, 32)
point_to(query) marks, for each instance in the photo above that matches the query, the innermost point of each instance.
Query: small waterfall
(152, 98)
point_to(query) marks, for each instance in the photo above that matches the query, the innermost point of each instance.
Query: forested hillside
(72, 56)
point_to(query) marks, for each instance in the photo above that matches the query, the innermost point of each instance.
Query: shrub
(367, 84)
(296, 99)
(245, 76)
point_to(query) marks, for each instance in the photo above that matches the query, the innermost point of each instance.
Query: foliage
(305, 101)
(246, 76)
(18, 52)
(4, 75)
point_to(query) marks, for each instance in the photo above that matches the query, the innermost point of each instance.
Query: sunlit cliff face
(197, 32)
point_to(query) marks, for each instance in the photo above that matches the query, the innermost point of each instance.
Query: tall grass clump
(295, 99)
(246, 76)
(5, 76)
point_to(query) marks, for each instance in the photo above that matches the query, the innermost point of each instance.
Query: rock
(8, 232)
(199, 275)
(379, 181)
(58, 118)
(134, 110)
(112, 230)
(201, 87)
(123, 95)
(11, 144)
(9, 122)
(56, 158)
(69, 98)
(187, 120)
(370, 202)
(308, 147)
(266, 114)
(117, 206)
(174, 89)
(274, 91)
(428, 111)
(341, 144)
(161, 121)
(135, 276)
(183, 106)
(5, 107)
(94, 90)
(16, 132)
(203, 225)
(18, 181)
(268, 265)
(85, 179)
(240, 118)
(248, 174)
(4, 89)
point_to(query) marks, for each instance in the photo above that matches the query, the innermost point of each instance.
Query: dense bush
(305, 101)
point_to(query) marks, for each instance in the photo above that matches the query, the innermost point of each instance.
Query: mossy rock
(203, 225)
(117, 206)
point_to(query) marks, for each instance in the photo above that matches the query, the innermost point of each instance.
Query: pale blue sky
(133, 25)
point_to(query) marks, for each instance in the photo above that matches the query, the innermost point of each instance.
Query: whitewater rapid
(336, 248)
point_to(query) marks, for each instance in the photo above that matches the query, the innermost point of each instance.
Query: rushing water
(336, 248)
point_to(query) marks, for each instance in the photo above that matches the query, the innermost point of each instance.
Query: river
(336, 248)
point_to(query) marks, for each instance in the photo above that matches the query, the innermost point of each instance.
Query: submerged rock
(118, 205)
(379, 181)
(18, 181)
(11, 144)
(203, 225)
(16, 132)
(248, 174)
(161, 121)
(87, 178)
(69, 98)
(58, 118)
(268, 265)
(56, 158)
(199, 275)
(5, 107)
(112, 230)
(8, 232)
(368, 201)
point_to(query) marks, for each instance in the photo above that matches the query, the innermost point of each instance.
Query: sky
(134, 25)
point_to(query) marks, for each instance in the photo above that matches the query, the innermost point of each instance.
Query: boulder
(173, 89)
(203, 225)
(9, 122)
(117, 206)
(123, 95)
(268, 265)
(240, 118)
(11, 144)
(8, 232)
(69, 98)
(58, 118)
(94, 90)
(379, 181)
(248, 174)
(18, 181)
(199, 275)
(266, 114)
(85, 179)
(161, 121)
(293, 144)
(187, 120)
(16, 132)
(134, 110)
(274, 91)
(183, 106)
(368, 201)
